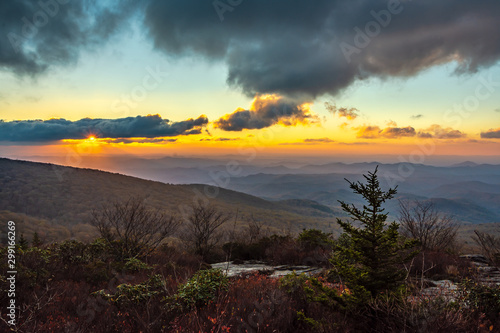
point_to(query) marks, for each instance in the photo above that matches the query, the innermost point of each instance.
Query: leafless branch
(133, 228)
(420, 220)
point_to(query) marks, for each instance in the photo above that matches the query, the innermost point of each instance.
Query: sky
(327, 78)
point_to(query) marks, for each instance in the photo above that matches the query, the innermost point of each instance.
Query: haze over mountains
(59, 200)
(467, 190)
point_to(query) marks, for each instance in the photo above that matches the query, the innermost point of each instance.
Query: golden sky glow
(143, 92)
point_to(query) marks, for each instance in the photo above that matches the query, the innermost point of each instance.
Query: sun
(91, 138)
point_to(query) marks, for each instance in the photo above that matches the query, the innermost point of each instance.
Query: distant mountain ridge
(296, 194)
(471, 193)
(65, 196)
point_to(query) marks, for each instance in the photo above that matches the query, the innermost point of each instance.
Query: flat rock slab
(232, 269)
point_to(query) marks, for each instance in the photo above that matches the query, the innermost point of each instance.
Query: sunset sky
(213, 77)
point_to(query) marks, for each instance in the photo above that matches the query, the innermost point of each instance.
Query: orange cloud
(266, 111)
(437, 132)
(491, 134)
(375, 132)
(392, 132)
(320, 140)
(220, 139)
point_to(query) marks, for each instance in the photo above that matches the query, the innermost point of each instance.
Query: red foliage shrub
(252, 303)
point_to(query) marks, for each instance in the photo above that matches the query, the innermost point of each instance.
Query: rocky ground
(447, 289)
(234, 269)
(487, 274)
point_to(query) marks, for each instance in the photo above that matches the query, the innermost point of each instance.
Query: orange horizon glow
(195, 146)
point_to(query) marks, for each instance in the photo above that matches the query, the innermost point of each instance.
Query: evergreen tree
(369, 257)
(23, 242)
(36, 241)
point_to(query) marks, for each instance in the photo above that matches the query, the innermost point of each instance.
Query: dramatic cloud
(491, 134)
(37, 35)
(267, 110)
(374, 132)
(151, 126)
(349, 113)
(437, 132)
(289, 47)
(300, 48)
(417, 116)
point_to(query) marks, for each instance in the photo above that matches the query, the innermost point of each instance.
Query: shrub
(284, 250)
(252, 303)
(313, 238)
(312, 289)
(70, 252)
(318, 303)
(134, 293)
(136, 265)
(200, 289)
(33, 267)
(482, 298)
(439, 266)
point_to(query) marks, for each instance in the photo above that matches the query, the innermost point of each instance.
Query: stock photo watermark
(485, 88)
(10, 274)
(233, 168)
(454, 116)
(153, 78)
(30, 27)
(225, 6)
(372, 29)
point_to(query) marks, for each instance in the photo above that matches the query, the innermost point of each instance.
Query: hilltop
(57, 200)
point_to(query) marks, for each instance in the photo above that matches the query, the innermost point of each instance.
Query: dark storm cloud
(266, 111)
(37, 35)
(291, 47)
(491, 134)
(150, 126)
(308, 48)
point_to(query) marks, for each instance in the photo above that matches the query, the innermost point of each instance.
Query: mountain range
(61, 199)
(280, 195)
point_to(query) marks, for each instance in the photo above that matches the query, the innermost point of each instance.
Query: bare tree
(433, 230)
(133, 229)
(254, 229)
(202, 229)
(489, 244)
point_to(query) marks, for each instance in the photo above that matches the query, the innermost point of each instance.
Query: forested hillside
(57, 201)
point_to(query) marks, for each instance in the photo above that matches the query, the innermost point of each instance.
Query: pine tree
(36, 241)
(23, 242)
(368, 257)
